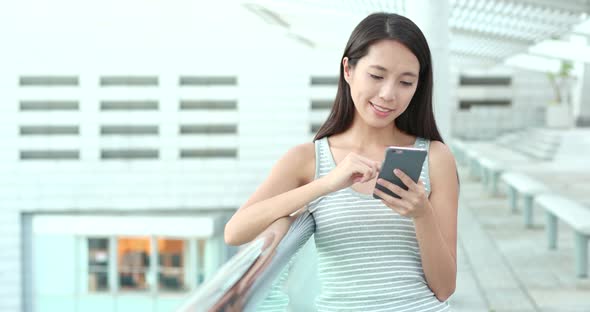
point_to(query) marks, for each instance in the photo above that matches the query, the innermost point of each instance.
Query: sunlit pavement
(504, 267)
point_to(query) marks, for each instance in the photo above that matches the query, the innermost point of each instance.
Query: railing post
(191, 275)
(152, 274)
(551, 230)
(581, 255)
(213, 254)
(513, 196)
(113, 265)
(528, 210)
(494, 182)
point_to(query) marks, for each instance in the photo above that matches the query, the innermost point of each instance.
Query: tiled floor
(505, 267)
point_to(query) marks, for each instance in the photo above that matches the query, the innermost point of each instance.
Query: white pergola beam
(569, 5)
(565, 50)
(583, 28)
(533, 63)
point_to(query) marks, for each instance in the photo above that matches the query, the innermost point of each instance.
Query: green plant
(561, 81)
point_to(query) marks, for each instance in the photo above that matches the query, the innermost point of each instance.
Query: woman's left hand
(413, 202)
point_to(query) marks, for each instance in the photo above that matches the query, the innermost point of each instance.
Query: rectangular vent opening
(49, 155)
(129, 130)
(208, 81)
(467, 104)
(129, 81)
(48, 81)
(484, 81)
(129, 154)
(128, 105)
(315, 128)
(321, 104)
(48, 105)
(324, 81)
(208, 129)
(49, 130)
(209, 153)
(208, 105)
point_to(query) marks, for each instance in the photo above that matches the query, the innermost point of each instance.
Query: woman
(374, 255)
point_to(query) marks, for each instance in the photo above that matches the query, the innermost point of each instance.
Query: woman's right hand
(352, 169)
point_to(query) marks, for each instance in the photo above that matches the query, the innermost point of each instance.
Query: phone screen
(408, 160)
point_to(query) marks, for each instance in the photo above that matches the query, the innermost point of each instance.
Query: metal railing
(246, 279)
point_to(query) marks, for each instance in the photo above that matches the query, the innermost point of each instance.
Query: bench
(459, 149)
(525, 186)
(492, 166)
(490, 172)
(577, 216)
(472, 161)
(535, 143)
(511, 150)
(541, 151)
(542, 146)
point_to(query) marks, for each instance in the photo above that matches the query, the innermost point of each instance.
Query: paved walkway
(504, 267)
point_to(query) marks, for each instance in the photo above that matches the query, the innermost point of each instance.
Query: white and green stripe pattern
(369, 258)
(277, 299)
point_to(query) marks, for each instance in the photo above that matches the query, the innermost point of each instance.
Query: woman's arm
(287, 190)
(435, 217)
(284, 192)
(436, 229)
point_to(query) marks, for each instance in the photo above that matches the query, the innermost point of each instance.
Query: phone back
(408, 160)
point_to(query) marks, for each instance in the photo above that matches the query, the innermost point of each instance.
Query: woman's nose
(387, 92)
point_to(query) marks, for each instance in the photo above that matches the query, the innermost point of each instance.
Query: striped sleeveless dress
(368, 255)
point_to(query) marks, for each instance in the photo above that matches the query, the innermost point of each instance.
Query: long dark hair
(418, 118)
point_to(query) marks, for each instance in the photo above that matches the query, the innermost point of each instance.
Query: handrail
(246, 279)
(212, 290)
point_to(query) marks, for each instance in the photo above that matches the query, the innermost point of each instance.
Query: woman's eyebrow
(381, 68)
(411, 74)
(378, 67)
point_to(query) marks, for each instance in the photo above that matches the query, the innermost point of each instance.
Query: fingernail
(396, 171)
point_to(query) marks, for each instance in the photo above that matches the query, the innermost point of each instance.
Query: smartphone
(407, 159)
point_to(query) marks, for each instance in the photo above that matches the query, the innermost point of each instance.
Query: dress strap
(424, 175)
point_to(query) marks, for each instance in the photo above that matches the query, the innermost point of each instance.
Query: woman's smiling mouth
(380, 111)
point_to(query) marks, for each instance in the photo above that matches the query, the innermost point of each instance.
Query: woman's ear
(347, 69)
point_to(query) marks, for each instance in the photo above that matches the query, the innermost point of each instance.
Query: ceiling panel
(486, 30)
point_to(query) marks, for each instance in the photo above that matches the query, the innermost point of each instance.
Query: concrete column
(152, 276)
(113, 265)
(432, 16)
(583, 114)
(212, 256)
(191, 269)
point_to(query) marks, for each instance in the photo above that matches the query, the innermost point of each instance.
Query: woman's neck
(365, 138)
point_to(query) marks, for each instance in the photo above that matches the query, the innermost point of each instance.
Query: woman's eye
(407, 83)
(375, 77)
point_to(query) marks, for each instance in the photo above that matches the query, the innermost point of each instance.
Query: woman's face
(383, 82)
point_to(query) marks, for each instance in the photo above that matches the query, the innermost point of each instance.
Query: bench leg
(477, 169)
(458, 156)
(483, 172)
(528, 210)
(474, 168)
(494, 182)
(551, 229)
(513, 197)
(461, 155)
(582, 255)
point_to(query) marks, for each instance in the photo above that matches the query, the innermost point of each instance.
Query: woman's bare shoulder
(441, 152)
(441, 160)
(303, 156)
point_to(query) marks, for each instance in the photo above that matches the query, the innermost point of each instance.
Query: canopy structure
(482, 33)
